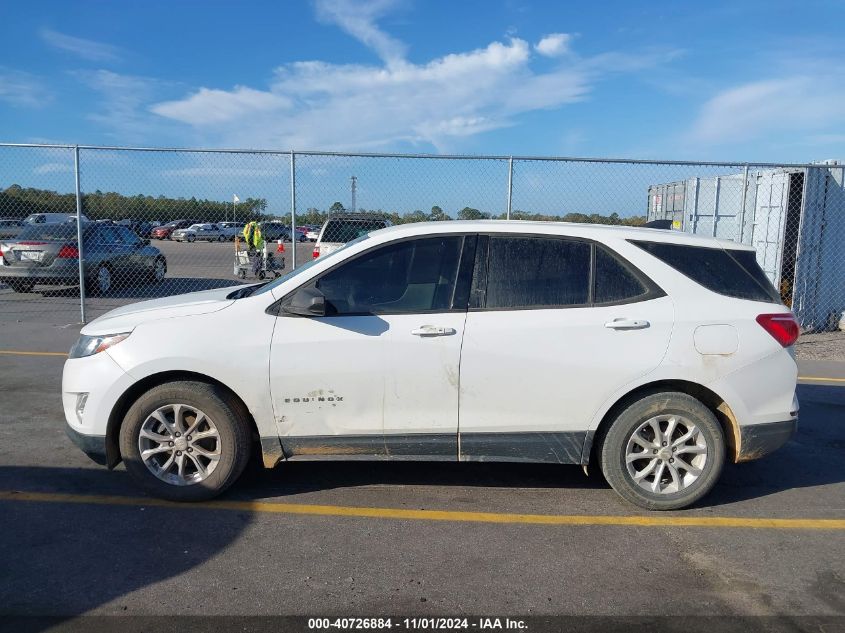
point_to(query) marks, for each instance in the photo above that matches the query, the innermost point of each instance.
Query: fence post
(510, 186)
(742, 208)
(79, 243)
(293, 241)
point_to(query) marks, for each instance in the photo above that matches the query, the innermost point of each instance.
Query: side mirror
(309, 302)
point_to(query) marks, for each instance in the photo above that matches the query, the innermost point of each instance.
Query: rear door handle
(626, 324)
(433, 330)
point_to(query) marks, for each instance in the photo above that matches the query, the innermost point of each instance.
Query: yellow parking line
(653, 520)
(820, 379)
(11, 352)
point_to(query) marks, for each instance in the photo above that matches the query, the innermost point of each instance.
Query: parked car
(273, 231)
(52, 218)
(652, 355)
(199, 232)
(342, 228)
(312, 233)
(163, 232)
(231, 229)
(301, 235)
(10, 227)
(49, 254)
(142, 229)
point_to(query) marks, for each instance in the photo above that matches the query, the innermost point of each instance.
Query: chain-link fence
(161, 222)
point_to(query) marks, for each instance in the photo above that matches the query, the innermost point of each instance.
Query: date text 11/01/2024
(431, 623)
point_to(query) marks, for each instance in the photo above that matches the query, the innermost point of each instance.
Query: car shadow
(61, 560)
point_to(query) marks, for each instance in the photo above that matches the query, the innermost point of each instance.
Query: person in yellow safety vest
(255, 244)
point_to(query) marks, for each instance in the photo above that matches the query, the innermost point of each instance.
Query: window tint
(406, 277)
(537, 272)
(614, 282)
(49, 232)
(346, 230)
(127, 236)
(732, 273)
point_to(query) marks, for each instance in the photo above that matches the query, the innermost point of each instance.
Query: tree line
(19, 202)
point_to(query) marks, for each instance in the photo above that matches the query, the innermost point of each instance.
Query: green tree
(337, 207)
(437, 214)
(468, 213)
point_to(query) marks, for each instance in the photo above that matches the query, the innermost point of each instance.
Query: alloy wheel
(666, 454)
(179, 444)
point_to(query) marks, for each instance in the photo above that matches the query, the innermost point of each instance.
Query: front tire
(20, 286)
(185, 441)
(663, 452)
(102, 282)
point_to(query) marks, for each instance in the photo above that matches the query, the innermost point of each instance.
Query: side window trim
(478, 295)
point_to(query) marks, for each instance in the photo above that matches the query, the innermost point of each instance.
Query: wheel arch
(708, 397)
(128, 398)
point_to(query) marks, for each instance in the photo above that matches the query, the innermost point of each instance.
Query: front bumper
(92, 445)
(758, 440)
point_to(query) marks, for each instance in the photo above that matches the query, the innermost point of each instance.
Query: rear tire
(159, 270)
(663, 452)
(102, 282)
(223, 432)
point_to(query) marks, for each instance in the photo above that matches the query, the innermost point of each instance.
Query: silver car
(10, 228)
(199, 232)
(49, 254)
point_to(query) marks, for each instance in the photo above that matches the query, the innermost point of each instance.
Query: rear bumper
(92, 445)
(758, 440)
(59, 275)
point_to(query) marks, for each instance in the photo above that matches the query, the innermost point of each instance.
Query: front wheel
(185, 441)
(190, 238)
(20, 286)
(663, 452)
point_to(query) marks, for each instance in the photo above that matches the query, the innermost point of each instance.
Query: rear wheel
(190, 238)
(220, 238)
(159, 270)
(101, 283)
(185, 441)
(663, 452)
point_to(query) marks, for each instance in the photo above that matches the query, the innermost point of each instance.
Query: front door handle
(433, 330)
(626, 324)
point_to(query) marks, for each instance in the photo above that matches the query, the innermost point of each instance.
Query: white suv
(653, 354)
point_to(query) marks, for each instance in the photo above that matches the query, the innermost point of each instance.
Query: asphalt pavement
(354, 538)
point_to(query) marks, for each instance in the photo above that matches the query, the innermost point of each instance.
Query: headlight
(88, 345)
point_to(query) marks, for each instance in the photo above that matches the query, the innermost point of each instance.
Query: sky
(722, 80)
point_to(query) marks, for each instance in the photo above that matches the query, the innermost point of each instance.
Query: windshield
(301, 269)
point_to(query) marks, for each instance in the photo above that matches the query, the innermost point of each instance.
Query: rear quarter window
(729, 272)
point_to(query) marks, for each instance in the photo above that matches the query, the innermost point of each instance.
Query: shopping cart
(268, 264)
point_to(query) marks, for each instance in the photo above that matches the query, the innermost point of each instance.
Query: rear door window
(537, 272)
(730, 272)
(615, 281)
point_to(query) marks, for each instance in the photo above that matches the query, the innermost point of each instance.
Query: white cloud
(358, 18)
(86, 49)
(554, 44)
(317, 104)
(209, 107)
(395, 103)
(770, 107)
(22, 89)
(52, 168)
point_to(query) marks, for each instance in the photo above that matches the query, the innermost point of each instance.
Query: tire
(102, 281)
(679, 486)
(241, 274)
(223, 414)
(220, 238)
(20, 286)
(159, 270)
(190, 238)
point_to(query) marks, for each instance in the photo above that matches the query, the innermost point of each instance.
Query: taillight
(783, 327)
(68, 252)
(316, 252)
